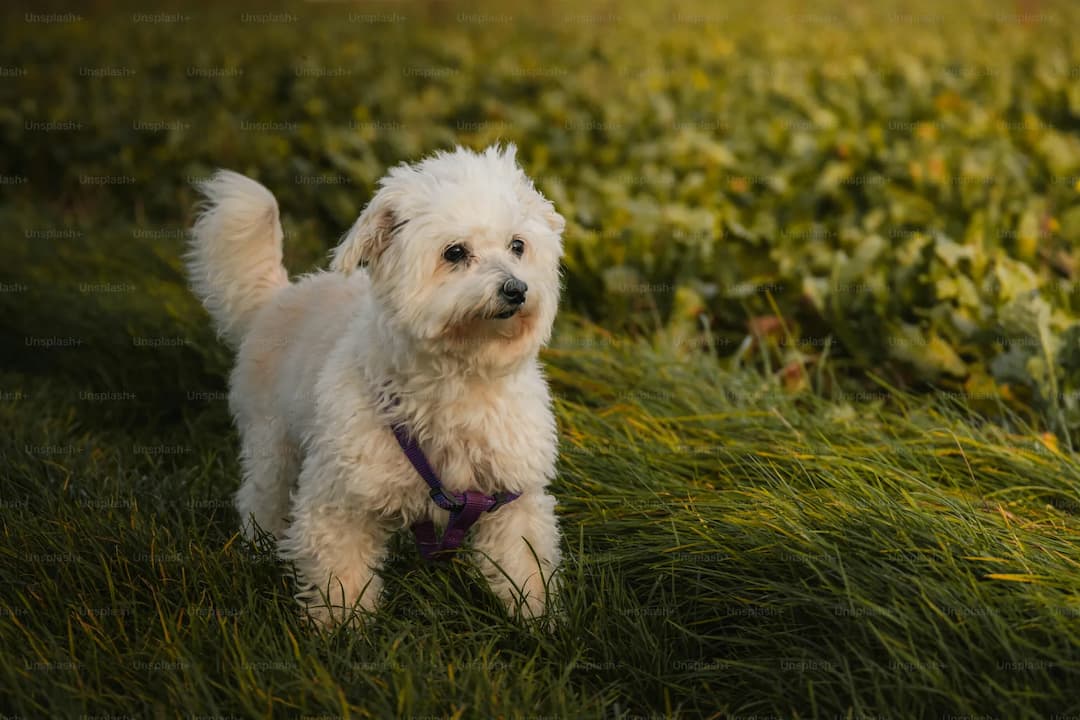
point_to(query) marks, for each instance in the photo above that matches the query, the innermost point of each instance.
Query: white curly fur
(235, 257)
(317, 360)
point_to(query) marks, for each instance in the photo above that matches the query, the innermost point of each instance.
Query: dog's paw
(537, 604)
(329, 618)
(324, 613)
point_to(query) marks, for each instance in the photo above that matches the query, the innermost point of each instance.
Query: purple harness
(465, 508)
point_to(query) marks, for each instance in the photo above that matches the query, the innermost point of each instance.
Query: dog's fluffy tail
(234, 254)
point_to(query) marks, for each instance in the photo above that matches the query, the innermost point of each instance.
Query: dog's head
(463, 254)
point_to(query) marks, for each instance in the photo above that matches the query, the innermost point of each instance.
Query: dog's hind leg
(270, 464)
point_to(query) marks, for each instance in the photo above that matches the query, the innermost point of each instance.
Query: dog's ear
(368, 237)
(534, 199)
(543, 207)
(554, 220)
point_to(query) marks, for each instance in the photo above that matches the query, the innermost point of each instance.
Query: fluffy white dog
(438, 333)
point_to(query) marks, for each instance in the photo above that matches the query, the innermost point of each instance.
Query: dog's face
(463, 253)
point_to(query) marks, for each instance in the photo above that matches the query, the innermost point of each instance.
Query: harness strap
(465, 508)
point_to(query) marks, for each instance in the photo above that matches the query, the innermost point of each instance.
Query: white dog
(437, 336)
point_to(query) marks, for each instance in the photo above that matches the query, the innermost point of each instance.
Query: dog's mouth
(494, 325)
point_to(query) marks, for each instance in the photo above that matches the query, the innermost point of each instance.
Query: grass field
(729, 550)
(801, 531)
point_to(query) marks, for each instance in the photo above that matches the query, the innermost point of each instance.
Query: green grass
(729, 549)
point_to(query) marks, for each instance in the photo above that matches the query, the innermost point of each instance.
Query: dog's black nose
(513, 291)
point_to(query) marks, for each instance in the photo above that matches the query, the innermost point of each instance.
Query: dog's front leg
(519, 552)
(337, 550)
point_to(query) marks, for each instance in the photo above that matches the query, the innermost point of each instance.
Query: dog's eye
(455, 253)
(517, 246)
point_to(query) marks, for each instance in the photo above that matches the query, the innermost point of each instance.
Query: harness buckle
(439, 496)
(501, 498)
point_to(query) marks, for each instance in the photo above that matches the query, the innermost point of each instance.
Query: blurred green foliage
(898, 183)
